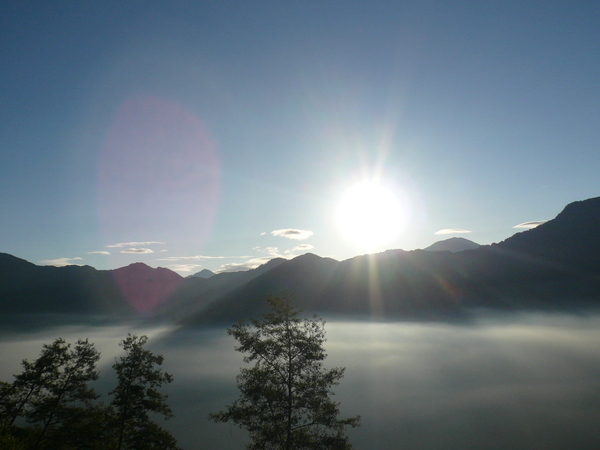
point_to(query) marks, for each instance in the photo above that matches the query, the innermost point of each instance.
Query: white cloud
(292, 233)
(135, 244)
(99, 252)
(137, 250)
(198, 258)
(452, 231)
(61, 262)
(246, 265)
(301, 248)
(183, 267)
(531, 224)
(273, 251)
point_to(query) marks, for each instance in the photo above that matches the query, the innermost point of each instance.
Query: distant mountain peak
(204, 273)
(454, 245)
(140, 267)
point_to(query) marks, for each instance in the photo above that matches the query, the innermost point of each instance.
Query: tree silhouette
(52, 394)
(285, 397)
(137, 394)
(50, 390)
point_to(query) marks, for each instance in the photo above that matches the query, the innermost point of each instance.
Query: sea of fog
(529, 380)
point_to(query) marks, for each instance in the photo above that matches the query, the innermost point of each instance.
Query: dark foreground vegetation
(50, 404)
(284, 398)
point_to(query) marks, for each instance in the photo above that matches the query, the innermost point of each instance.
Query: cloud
(183, 267)
(246, 265)
(301, 248)
(452, 231)
(137, 250)
(61, 262)
(198, 258)
(273, 251)
(292, 233)
(134, 244)
(99, 252)
(531, 224)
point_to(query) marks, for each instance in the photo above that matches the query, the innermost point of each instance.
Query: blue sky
(216, 135)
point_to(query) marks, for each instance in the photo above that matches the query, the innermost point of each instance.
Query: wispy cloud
(199, 258)
(246, 265)
(301, 248)
(184, 267)
(452, 231)
(138, 250)
(99, 252)
(61, 262)
(135, 244)
(273, 251)
(292, 233)
(531, 224)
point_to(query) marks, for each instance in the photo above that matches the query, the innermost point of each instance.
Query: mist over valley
(493, 347)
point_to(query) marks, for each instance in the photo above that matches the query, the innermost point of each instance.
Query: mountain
(145, 288)
(555, 265)
(134, 291)
(454, 244)
(571, 240)
(204, 273)
(196, 293)
(27, 288)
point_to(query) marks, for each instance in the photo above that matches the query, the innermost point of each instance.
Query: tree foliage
(52, 395)
(137, 395)
(285, 397)
(51, 389)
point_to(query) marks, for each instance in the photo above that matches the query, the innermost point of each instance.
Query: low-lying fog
(512, 381)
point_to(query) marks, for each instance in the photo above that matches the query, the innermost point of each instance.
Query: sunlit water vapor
(503, 381)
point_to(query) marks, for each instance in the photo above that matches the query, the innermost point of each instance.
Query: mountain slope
(553, 265)
(454, 244)
(27, 288)
(556, 264)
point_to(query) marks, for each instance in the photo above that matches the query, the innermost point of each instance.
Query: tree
(137, 395)
(285, 397)
(50, 390)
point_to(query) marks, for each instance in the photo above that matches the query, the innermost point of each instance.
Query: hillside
(454, 244)
(556, 265)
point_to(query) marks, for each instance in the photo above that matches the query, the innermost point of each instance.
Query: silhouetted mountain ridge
(554, 265)
(204, 273)
(454, 244)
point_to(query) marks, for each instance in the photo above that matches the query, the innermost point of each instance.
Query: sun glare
(370, 215)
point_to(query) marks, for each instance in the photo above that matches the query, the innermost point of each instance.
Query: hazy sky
(207, 134)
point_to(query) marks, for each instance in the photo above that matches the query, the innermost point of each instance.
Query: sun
(371, 215)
